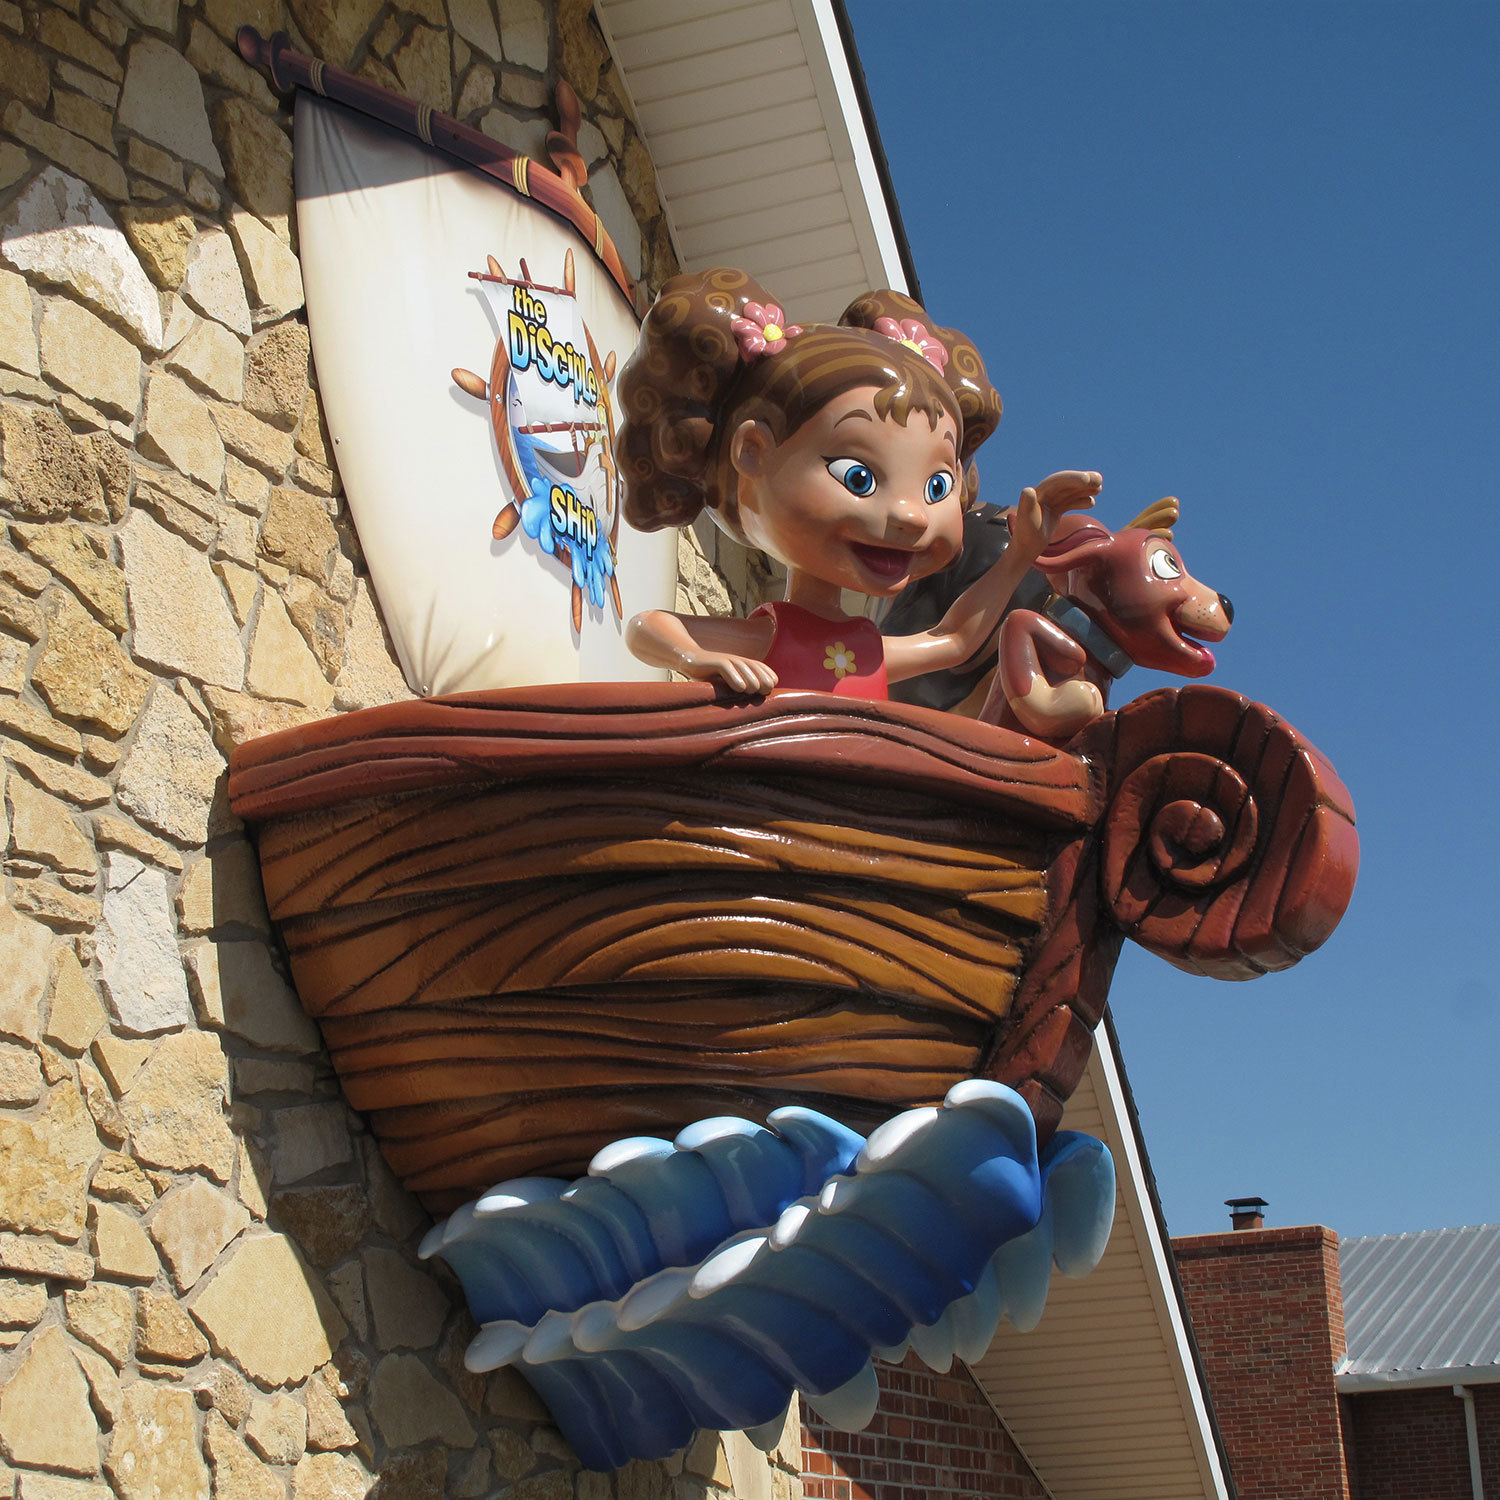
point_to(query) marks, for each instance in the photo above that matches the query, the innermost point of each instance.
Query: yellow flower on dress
(840, 660)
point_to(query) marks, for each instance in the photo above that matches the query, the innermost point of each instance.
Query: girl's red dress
(827, 656)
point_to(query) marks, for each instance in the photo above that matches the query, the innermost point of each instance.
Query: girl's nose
(905, 522)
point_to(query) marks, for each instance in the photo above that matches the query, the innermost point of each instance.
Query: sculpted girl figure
(845, 451)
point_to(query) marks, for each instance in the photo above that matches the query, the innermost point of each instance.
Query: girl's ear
(751, 447)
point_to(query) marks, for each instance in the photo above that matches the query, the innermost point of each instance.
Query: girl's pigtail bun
(963, 373)
(672, 394)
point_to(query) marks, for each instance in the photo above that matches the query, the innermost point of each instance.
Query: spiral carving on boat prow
(1223, 842)
(1228, 845)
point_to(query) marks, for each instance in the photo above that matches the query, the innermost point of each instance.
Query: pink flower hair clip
(914, 336)
(763, 330)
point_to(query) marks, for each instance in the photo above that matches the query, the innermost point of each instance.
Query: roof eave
(658, 56)
(1364, 1382)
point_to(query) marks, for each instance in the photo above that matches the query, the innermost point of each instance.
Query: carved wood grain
(643, 728)
(414, 845)
(538, 1082)
(530, 922)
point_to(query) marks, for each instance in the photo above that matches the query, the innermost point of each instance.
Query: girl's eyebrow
(857, 411)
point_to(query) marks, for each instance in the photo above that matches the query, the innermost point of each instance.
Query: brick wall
(1267, 1309)
(934, 1436)
(1412, 1445)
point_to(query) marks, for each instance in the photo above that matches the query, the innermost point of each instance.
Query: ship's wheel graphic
(553, 418)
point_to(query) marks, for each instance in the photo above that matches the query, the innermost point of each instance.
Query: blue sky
(1246, 254)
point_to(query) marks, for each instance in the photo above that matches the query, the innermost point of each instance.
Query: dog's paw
(1060, 711)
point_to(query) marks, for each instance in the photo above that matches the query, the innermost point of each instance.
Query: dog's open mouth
(889, 564)
(1191, 637)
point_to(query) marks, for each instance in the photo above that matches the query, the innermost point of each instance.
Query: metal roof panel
(714, 206)
(667, 81)
(730, 100)
(1425, 1303)
(762, 129)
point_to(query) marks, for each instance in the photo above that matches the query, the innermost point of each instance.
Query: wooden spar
(558, 291)
(557, 192)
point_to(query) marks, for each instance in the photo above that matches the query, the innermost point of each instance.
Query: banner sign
(487, 505)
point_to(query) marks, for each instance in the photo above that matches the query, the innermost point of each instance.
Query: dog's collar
(1115, 659)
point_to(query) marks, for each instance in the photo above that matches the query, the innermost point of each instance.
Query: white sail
(390, 232)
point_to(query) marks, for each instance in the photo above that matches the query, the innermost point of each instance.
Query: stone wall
(207, 1274)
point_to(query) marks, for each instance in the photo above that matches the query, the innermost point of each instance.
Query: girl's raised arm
(975, 615)
(706, 646)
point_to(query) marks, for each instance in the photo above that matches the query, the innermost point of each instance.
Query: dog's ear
(1079, 539)
(1160, 516)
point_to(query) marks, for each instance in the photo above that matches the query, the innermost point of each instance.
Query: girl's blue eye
(853, 475)
(939, 486)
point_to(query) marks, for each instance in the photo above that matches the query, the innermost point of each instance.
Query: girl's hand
(705, 647)
(1039, 508)
(742, 673)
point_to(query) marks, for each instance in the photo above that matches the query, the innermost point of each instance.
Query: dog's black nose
(1228, 608)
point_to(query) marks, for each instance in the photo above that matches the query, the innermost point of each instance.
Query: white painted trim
(1131, 1170)
(1416, 1380)
(852, 153)
(1471, 1431)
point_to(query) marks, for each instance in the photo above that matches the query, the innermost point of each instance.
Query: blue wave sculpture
(695, 1283)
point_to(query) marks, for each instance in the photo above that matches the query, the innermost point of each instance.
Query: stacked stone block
(208, 1284)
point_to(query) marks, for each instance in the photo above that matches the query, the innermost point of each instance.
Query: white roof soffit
(1103, 1396)
(752, 118)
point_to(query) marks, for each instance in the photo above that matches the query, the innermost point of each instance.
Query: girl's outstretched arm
(975, 615)
(705, 646)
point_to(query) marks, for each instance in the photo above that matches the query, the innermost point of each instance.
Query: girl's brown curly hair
(687, 387)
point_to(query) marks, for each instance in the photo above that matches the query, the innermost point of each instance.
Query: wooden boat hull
(533, 921)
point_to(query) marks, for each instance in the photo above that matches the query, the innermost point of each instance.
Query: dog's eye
(1164, 565)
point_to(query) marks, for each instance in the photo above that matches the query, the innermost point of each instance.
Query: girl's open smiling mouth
(888, 563)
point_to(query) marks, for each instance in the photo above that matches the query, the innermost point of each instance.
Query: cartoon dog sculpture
(1120, 599)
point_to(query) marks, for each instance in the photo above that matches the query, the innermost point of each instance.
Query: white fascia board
(1132, 1173)
(852, 151)
(1417, 1380)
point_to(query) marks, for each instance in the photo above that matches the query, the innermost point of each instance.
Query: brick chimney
(1267, 1309)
